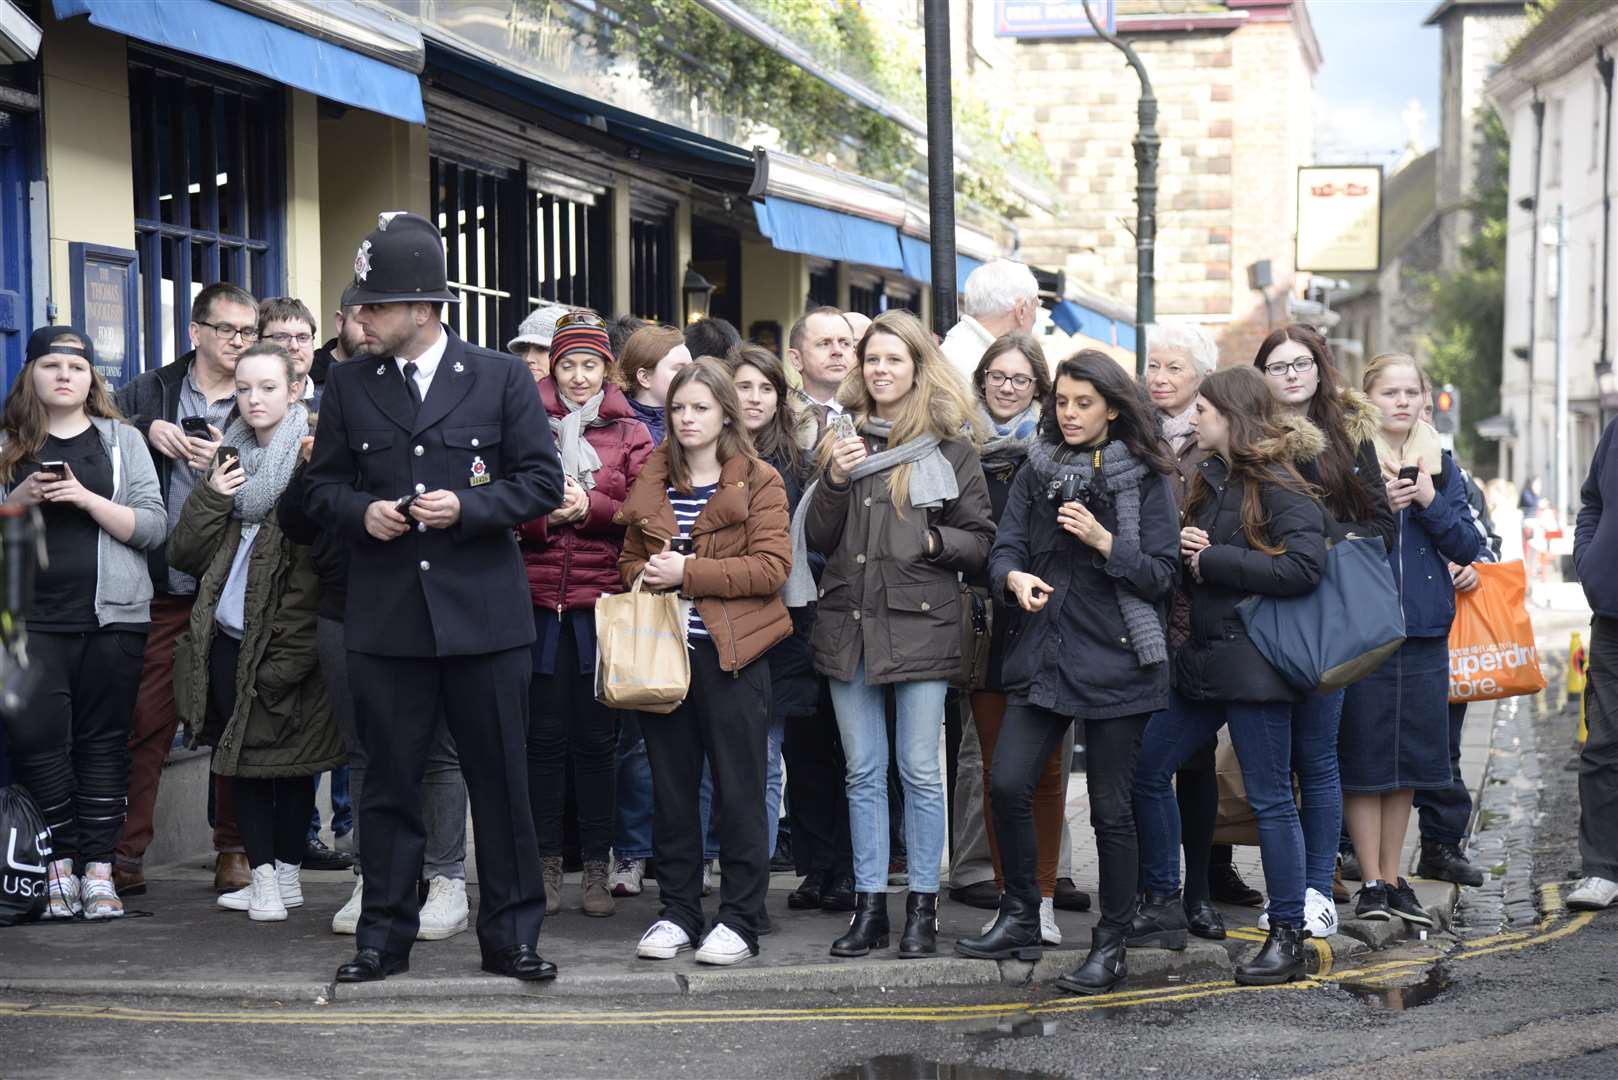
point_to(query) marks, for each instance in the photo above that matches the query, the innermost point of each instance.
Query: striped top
(686, 509)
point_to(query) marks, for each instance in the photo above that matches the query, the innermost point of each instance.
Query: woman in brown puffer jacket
(708, 517)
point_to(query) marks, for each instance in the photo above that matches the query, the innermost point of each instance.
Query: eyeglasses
(1000, 378)
(227, 332)
(283, 340)
(583, 317)
(1303, 365)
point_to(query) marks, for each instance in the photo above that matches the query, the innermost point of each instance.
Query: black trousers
(1196, 790)
(273, 816)
(818, 805)
(1028, 737)
(70, 747)
(726, 717)
(1598, 761)
(1446, 812)
(565, 721)
(484, 699)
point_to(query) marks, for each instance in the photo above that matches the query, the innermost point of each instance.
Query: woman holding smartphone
(708, 518)
(67, 451)
(246, 677)
(900, 511)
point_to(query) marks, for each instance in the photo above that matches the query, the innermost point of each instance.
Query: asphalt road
(1528, 991)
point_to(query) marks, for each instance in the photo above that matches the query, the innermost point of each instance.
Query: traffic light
(1447, 410)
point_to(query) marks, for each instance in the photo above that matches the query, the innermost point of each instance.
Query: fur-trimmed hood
(1300, 440)
(1363, 418)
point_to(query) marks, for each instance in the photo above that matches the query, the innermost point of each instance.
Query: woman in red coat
(572, 558)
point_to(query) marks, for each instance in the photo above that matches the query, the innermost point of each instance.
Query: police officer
(428, 454)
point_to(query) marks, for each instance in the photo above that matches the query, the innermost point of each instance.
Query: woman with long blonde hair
(901, 509)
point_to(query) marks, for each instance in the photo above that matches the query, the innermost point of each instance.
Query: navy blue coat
(460, 591)
(1428, 540)
(1595, 536)
(1074, 656)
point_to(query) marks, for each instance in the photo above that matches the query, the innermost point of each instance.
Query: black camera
(1082, 490)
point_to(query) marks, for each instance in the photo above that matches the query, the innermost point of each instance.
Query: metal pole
(1146, 147)
(1533, 295)
(1561, 365)
(1604, 67)
(940, 164)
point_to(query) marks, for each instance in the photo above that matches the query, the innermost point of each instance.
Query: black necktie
(411, 387)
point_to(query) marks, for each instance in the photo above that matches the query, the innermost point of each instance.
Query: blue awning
(814, 230)
(224, 34)
(1076, 318)
(918, 261)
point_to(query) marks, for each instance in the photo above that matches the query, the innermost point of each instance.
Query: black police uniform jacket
(481, 433)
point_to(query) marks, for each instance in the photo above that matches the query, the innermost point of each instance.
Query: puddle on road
(1400, 998)
(910, 1067)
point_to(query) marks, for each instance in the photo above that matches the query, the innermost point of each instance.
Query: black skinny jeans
(565, 719)
(727, 717)
(70, 746)
(1028, 737)
(819, 807)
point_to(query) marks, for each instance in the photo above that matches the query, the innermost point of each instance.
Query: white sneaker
(287, 881)
(1264, 916)
(708, 866)
(1319, 914)
(97, 894)
(664, 941)
(62, 895)
(445, 913)
(723, 946)
(266, 904)
(347, 919)
(1049, 932)
(627, 875)
(1593, 894)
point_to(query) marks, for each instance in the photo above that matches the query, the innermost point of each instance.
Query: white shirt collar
(427, 362)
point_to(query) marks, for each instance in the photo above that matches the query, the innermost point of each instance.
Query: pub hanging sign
(105, 296)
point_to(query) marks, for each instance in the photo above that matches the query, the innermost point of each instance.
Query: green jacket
(282, 723)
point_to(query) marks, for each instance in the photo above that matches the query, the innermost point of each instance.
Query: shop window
(569, 251)
(822, 287)
(207, 157)
(651, 269)
(473, 210)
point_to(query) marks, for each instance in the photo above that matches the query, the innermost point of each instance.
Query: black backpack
(27, 853)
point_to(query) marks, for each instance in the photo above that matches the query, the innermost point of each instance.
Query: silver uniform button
(421, 489)
(925, 606)
(421, 526)
(425, 565)
(867, 500)
(420, 451)
(474, 442)
(859, 558)
(365, 446)
(856, 616)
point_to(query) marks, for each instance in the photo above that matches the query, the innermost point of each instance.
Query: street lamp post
(1560, 487)
(1146, 146)
(940, 163)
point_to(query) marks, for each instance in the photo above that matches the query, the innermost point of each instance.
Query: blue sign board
(1050, 18)
(104, 285)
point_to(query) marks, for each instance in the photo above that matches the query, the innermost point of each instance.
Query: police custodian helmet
(400, 263)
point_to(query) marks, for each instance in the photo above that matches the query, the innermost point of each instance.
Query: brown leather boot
(553, 884)
(231, 872)
(597, 894)
(1339, 891)
(129, 881)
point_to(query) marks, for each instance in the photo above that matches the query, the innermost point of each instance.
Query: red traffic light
(1445, 402)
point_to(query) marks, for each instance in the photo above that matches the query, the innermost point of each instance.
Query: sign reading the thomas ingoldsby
(1339, 218)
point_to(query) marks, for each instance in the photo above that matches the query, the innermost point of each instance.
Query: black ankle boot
(1014, 935)
(921, 926)
(1103, 969)
(1279, 961)
(868, 929)
(1159, 924)
(1443, 862)
(1204, 921)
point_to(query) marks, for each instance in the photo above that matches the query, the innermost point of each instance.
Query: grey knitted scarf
(579, 458)
(268, 468)
(1121, 474)
(932, 484)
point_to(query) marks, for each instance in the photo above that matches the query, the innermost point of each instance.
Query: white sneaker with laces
(664, 941)
(1593, 894)
(266, 904)
(1319, 914)
(99, 897)
(445, 913)
(62, 890)
(1049, 932)
(287, 876)
(347, 919)
(723, 946)
(708, 866)
(627, 875)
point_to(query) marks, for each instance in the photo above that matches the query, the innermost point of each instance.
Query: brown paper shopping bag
(641, 658)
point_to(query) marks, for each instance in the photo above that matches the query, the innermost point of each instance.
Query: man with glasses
(202, 385)
(287, 322)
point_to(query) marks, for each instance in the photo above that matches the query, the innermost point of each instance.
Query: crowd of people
(380, 559)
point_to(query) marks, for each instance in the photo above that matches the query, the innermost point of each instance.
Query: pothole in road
(1402, 996)
(910, 1067)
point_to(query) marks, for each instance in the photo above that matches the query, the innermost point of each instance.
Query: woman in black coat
(1088, 547)
(1252, 526)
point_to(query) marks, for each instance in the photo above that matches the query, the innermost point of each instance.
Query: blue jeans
(861, 721)
(773, 777)
(342, 810)
(1262, 734)
(632, 837)
(1320, 807)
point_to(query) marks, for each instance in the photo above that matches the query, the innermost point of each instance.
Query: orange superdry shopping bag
(1491, 642)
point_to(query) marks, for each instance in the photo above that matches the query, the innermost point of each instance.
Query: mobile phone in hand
(1410, 472)
(195, 426)
(842, 426)
(57, 468)
(228, 456)
(404, 504)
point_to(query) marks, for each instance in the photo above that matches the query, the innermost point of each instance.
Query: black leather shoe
(519, 962)
(868, 929)
(920, 937)
(808, 894)
(1204, 921)
(1159, 924)
(985, 895)
(838, 894)
(1279, 960)
(1227, 887)
(317, 856)
(1014, 935)
(1069, 897)
(372, 965)
(781, 862)
(1103, 969)
(1444, 862)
